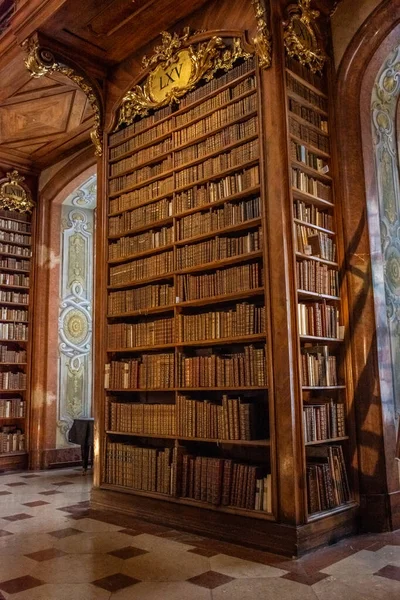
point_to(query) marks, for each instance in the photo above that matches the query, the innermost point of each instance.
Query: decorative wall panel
(75, 316)
(384, 102)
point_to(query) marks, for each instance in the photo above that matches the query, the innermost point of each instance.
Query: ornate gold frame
(262, 41)
(308, 51)
(41, 61)
(206, 58)
(14, 196)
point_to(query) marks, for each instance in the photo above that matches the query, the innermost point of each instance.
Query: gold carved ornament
(41, 62)
(300, 36)
(13, 196)
(177, 68)
(262, 41)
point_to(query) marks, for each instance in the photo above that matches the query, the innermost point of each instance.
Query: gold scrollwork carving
(262, 41)
(13, 196)
(41, 61)
(300, 36)
(176, 69)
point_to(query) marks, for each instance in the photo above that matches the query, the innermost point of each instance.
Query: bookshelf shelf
(12, 391)
(143, 312)
(13, 364)
(2, 340)
(309, 170)
(219, 175)
(141, 204)
(324, 387)
(251, 191)
(252, 292)
(312, 226)
(13, 321)
(314, 149)
(310, 199)
(256, 443)
(306, 294)
(7, 270)
(333, 511)
(129, 232)
(233, 510)
(216, 233)
(18, 453)
(315, 338)
(216, 264)
(14, 287)
(307, 84)
(301, 256)
(245, 339)
(151, 251)
(19, 304)
(2, 241)
(328, 441)
(13, 255)
(306, 123)
(141, 282)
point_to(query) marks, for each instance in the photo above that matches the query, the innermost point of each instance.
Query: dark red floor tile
(49, 493)
(128, 552)
(16, 484)
(29, 476)
(389, 572)
(62, 483)
(20, 584)
(4, 533)
(19, 517)
(36, 503)
(204, 552)
(210, 580)
(63, 533)
(116, 582)
(4, 493)
(306, 579)
(131, 532)
(47, 554)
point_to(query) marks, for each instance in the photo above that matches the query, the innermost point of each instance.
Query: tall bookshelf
(187, 401)
(15, 315)
(320, 294)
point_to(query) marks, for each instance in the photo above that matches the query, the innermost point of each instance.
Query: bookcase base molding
(263, 534)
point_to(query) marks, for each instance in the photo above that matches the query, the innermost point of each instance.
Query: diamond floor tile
(20, 584)
(210, 580)
(116, 582)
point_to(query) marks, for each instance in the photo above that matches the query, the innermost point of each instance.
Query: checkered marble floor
(52, 547)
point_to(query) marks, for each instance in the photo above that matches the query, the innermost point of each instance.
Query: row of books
(217, 142)
(143, 124)
(11, 440)
(14, 297)
(302, 154)
(312, 214)
(304, 92)
(146, 469)
(319, 319)
(149, 371)
(12, 407)
(142, 156)
(142, 175)
(12, 356)
(310, 115)
(13, 314)
(308, 135)
(146, 215)
(143, 268)
(12, 263)
(213, 166)
(214, 102)
(225, 482)
(147, 333)
(147, 193)
(141, 298)
(14, 279)
(218, 218)
(10, 214)
(149, 240)
(314, 243)
(17, 238)
(218, 248)
(242, 319)
(318, 368)
(213, 191)
(15, 250)
(246, 368)
(219, 118)
(327, 483)
(12, 381)
(220, 282)
(232, 419)
(316, 277)
(11, 225)
(305, 73)
(323, 421)
(13, 331)
(214, 84)
(305, 183)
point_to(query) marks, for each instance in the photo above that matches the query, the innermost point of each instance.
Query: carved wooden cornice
(42, 61)
(262, 41)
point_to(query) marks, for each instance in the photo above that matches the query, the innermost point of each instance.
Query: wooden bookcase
(206, 308)
(15, 316)
(327, 431)
(187, 408)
